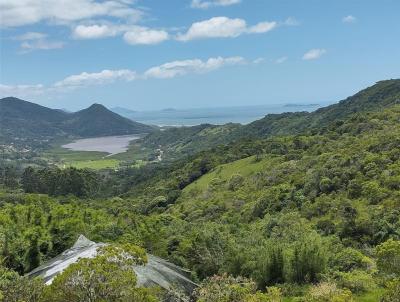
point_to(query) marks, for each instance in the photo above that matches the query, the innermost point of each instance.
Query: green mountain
(189, 140)
(97, 120)
(22, 120)
(376, 97)
(312, 215)
(181, 141)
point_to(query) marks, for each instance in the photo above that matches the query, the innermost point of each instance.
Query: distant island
(301, 105)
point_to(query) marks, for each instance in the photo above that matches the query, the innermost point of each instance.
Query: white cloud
(103, 77)
(35, 40)
(21, 90)
(314, 54)
(94, 31)
(30, 36)
(179, 68)
(281, 60)
(25, 12)
(143, 35)
(262, 27)
(85, 79)
(42, 45)
(214, 28)
(223, 27)
(349, 19)
(211, 3)
(291, 22)
(259, 61)
(132, 34)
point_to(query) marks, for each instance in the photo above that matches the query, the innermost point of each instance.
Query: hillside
(298, 213)
(24, 121)
(190, 140)
(21, 119)
(97, 120)
(329, 197)
(181, 141)
(381, 95)
(287, 211)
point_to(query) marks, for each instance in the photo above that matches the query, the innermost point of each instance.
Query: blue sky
(154, 54)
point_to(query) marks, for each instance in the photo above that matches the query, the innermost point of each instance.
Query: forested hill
(189, 140)
(376, 97)
(20, 119)
(313, 217)
(97, 120)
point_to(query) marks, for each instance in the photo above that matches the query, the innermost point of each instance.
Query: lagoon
(109, 144)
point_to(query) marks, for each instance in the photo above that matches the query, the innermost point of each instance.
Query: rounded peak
(97, 106)
(12, 99)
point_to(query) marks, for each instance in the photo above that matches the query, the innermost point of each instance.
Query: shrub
(14, 288)
(235, 182)
(225, 289)
(273, 294)
(350, 259)
(388, 254)
(107, 277)
(393, 292)
(356, 281)
(308, 261)
(327, 292)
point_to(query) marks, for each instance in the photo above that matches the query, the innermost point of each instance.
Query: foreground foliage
(315, 214)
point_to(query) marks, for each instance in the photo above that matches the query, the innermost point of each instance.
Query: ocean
(216, 116)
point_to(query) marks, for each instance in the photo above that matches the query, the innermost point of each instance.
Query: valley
(199, 151)
(294, 202)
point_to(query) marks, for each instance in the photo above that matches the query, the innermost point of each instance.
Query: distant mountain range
(21, 120)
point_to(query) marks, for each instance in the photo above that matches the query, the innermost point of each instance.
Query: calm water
(216, 116)
(109, 144)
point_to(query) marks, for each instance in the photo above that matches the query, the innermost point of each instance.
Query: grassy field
(245, 167)
(94, 164)
(94, 160)
(135, 152)
(80, 159)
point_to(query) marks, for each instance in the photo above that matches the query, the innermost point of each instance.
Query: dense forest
(304, 214)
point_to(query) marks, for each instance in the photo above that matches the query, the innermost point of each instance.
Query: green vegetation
(180, 142)
(24, 120)
(65, 158)
(108, 277)
(95, 164)
(308, 215)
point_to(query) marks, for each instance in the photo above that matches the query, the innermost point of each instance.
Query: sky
(155, 54)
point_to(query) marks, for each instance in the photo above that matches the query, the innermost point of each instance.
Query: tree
(29, 180)
(107, 277)
(392, 293)
(270, 268)
(32, 257)
(14, 288)
(226, 288)
(308, 261)
(10, 177)
(388, 254)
